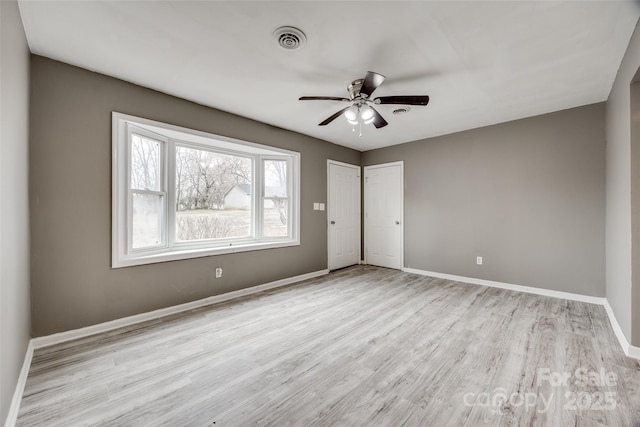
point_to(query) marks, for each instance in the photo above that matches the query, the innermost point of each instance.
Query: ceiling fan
(361, 109)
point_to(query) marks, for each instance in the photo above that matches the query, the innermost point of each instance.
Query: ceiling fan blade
(333, 117)
(378, 120)
(371, 83)
(405, 100)
(322, 98)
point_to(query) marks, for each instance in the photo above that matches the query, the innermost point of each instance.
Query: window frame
(262, 196)
(171, 137)
(164, 236)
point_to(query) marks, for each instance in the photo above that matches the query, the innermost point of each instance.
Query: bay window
(180, 193)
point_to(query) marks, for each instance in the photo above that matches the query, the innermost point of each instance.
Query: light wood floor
(362, 346)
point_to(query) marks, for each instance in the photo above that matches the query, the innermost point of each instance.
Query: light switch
(316, 206)
(321, 206)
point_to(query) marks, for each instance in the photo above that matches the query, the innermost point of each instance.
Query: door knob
(333, 222)
(397, 222)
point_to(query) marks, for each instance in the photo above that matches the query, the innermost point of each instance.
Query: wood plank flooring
(361, 346)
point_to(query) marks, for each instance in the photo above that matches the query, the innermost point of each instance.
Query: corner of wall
(622, 198)
(15, 309)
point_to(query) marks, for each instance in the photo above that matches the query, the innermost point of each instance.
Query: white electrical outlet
(218, 272)
(479, 260)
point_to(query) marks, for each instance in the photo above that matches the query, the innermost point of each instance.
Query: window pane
(213, 195)
(275, 178)
(145, 163)
(147, 220)
(212, 224)
(275, 217)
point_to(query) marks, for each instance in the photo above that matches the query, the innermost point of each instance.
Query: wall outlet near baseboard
(218, 272)
(479, 260)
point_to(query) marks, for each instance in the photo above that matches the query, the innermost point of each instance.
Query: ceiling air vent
(290, 38)
(403, 110)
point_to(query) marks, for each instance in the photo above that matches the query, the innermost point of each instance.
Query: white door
(343, 214)
(383, 208)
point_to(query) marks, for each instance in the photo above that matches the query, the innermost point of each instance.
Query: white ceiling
(481, 62)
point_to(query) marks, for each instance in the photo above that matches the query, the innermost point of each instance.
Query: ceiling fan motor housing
(354, 88)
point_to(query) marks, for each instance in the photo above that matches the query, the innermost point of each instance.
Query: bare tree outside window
(276, 198)
(145, 163)
(146, 184)
(179, 193)
(203, 180)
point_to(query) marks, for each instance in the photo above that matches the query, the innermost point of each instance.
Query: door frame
(329, 240)
(364, 205)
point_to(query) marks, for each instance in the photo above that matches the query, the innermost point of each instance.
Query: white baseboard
(629, 350)
(151, 315)
(61, 337)
(616, 328)
(634, 352)
(512, 287)
(34, 343)
(12, 416)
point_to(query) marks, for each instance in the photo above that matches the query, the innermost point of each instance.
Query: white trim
(634, 352)
(328, 210)
(40, 342)
(198, 253)
(616, 328)
(348, 165)
(155, 314)
(386, 165)
(629, 350)
(197, 137)
(12, 416)
(512, 287)
(122, 253)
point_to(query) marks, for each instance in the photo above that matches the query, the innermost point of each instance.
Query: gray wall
(528, 196)
(14, 202)
(619, 190)
(72, 282)
(635, 210)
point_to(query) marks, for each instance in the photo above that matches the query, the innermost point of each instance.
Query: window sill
(197, 253)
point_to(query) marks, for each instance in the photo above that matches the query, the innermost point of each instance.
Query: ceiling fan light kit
(351, 114)
(367, 114)
(361, 110)
(355, 113)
